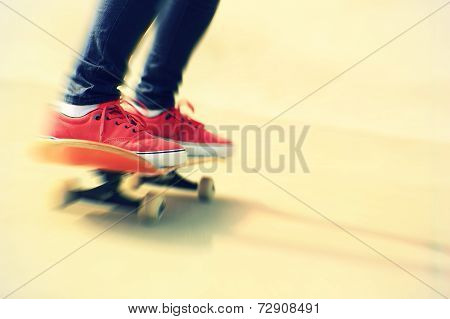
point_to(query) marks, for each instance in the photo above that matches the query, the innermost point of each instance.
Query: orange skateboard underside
(93, 155)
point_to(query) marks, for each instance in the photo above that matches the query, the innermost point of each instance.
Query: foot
(175, 126)
(108, 123)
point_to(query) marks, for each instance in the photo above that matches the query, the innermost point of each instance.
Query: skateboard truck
(115, 190)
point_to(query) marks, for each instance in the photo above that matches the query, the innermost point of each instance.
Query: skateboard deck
(100, 156)
(121, 171)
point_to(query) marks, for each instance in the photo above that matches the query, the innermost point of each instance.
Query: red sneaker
(175, 126)
(108, 123)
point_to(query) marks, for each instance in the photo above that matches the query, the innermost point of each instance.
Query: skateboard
(121, 172)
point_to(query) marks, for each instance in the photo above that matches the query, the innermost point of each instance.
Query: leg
(118, 26)
(181, 24)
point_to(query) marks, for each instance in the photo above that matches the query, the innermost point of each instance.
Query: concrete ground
(369, 220)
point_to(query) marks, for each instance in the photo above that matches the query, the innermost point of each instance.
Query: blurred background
(370, 219)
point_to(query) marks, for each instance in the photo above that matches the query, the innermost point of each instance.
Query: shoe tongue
(113, 112)
(111, 104)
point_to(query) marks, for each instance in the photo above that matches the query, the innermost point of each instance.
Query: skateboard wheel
(151, 208)
(206, 189)
(131, 182)
(63, 194)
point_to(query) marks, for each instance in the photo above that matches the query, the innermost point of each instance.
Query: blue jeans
(117, 29)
